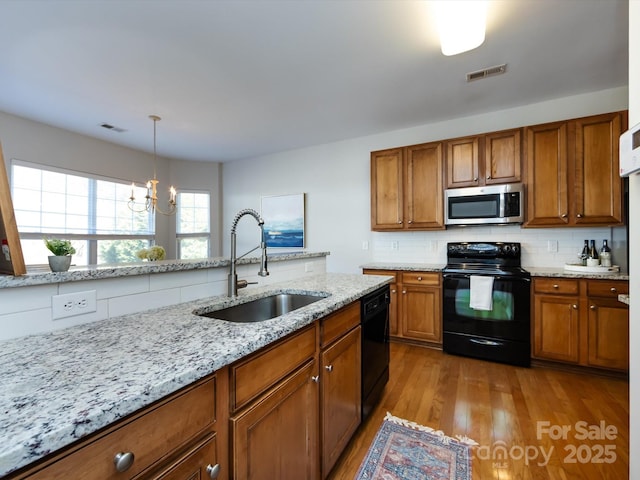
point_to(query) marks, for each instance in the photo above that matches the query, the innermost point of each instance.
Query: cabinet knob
(555, 285)
(475, 179)
(579, 215)
(488, 177)
(393, 291)
(593, 307)
(328, 368)
(410, 221)
(316, 378)
(613, 289)
(404, 291)
(419, 279)
(574, 306)
(564, 215)
(399, 222)
(123, 461)
(213, 471)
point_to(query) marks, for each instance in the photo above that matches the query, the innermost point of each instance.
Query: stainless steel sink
(262, 308)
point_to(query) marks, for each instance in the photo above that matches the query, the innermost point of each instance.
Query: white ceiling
(237, 79)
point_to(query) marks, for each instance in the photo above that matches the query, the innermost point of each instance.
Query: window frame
(204, 235)
(92, 239)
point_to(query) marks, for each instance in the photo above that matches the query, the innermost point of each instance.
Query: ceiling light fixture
(461, 24)
(151, 198)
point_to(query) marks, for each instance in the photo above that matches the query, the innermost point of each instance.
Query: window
(192, 225)
(90, 211)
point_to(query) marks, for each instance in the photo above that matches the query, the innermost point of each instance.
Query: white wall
(634, 240)
(335, 178)
(31, 141)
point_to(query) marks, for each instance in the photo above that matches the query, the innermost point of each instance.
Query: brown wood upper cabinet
(406, 188)
(572, 172)
(484, 159)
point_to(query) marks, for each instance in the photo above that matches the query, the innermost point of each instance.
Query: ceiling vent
(111, 127)
(487, 72)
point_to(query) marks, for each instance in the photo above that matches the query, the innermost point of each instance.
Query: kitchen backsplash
(541, 247)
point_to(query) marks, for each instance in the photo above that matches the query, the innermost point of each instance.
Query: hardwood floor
(523, 410)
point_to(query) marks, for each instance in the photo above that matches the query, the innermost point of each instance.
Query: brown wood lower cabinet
(340, 380)
(276, 437)
(415, 312)
(172, 439)
(581, 322)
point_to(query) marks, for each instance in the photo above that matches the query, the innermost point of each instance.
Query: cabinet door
(424, 206)
(462, 162)
(276, 437)
(608, 334)
(199, 462)
(556, 323)
(547, 187)
(340, 401)
(502, 163)
(421, 313)
(386, 189)
(598, 186)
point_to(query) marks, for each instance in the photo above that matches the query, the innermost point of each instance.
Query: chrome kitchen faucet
(233, 283)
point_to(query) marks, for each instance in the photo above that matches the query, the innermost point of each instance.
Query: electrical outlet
(395, 245)
(308, 267)
(365, 245)
(72, 304)
(552, 246)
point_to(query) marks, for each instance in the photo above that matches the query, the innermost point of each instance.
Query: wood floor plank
(492, 403)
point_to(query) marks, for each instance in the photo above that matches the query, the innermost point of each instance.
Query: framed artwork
(283, 217)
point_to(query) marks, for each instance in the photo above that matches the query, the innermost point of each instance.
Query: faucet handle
(244, 283)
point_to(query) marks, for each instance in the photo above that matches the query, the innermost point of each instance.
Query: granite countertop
(61, 386)
(562, 273)
(42, 276)
(407, 267)
(535, 271)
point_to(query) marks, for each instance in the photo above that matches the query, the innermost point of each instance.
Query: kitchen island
(60, 387)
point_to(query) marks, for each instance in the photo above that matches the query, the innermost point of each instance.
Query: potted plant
(62, 251)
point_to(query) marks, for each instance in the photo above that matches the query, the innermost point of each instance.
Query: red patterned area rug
(404, 450)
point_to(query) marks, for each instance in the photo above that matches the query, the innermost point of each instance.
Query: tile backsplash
(541, 247)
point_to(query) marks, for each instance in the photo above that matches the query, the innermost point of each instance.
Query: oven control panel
(481, 250)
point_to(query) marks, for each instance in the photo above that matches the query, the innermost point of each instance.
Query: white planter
(59, 263)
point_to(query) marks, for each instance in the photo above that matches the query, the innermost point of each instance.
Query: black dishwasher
(375, 347)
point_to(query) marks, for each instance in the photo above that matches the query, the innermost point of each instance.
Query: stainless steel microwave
(493, 204)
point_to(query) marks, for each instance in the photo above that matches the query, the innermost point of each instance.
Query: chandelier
(151, 198)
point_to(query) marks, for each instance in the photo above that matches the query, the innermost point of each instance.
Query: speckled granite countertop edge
(534, 271)
(61, 386)
(37, 276)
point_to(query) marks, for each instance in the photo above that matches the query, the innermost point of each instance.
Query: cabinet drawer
(556, 285)
(609, 289)
(421, 278)
(339, 323)
(255, 375)
(386, 273)
(150, 437)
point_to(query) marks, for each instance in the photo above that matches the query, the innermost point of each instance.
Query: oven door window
(503, 306)
(476, 206)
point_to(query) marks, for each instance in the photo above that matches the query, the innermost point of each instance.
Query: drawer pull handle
(419, 279)
(123, 461)
(213, 471)
(316, 378)
(555, 285)
(613, 289)
(328, 368)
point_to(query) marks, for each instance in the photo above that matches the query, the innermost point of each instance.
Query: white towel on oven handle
(481, 292)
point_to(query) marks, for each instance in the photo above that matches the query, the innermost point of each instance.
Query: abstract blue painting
(283, 217)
